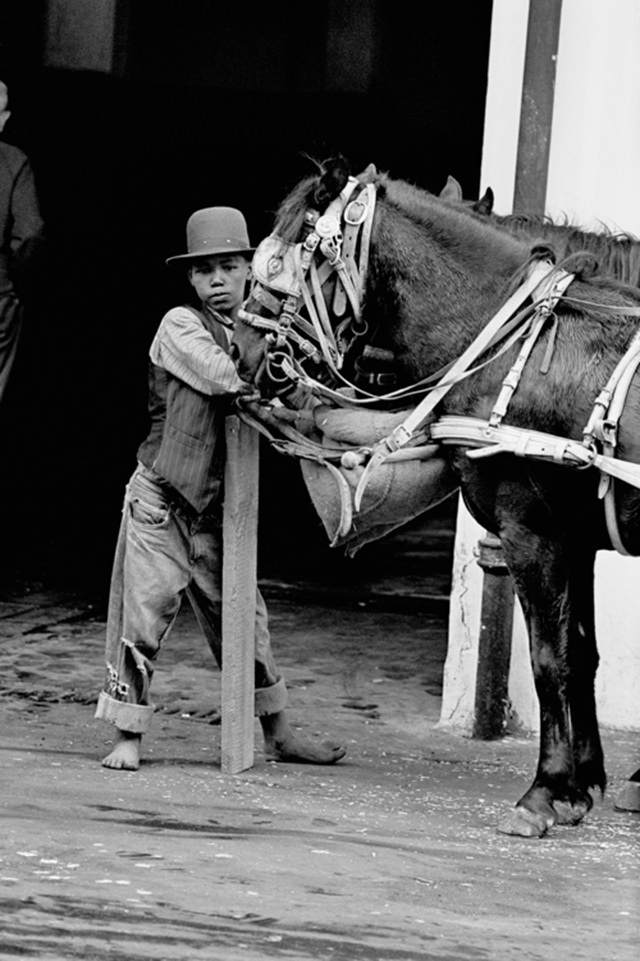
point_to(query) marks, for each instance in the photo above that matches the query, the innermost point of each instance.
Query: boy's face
(220, 280)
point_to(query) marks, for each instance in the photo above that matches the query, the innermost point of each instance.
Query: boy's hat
(215, 230)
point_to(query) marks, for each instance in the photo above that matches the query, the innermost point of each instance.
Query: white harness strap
(544, 309)
(528, 443)
(358, 218)
(603, 427)
(539, 285)
(540, 271)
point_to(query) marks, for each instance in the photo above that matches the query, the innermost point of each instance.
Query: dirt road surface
(391, 855)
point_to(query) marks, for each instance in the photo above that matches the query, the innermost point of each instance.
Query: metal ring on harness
(277, 361)
(359, 326)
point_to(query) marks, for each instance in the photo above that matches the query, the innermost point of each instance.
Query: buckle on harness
(399, 437)
(355, 212)
(609, 432)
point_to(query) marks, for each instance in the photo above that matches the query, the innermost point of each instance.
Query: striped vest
(185, 444)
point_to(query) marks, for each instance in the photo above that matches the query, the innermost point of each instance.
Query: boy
(170, 540)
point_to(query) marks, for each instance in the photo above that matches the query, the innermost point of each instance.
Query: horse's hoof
(568, 813)
(525, 824)
(628, 798)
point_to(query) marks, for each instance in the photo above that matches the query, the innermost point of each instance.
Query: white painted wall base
(617, 629)
(459, 687)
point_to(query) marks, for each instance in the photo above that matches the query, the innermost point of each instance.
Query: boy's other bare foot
(282, 743)
(125, 755)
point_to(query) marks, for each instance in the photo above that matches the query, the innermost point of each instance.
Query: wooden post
(494, 642)
(536, 115)
(239, 581)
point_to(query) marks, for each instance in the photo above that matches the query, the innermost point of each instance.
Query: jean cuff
(133, 718)
(272, 699)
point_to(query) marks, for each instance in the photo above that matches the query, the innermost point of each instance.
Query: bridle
(313, 290)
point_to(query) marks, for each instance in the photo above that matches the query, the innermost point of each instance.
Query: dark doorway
(210, 103)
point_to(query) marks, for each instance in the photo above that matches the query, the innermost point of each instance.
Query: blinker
(274, 266)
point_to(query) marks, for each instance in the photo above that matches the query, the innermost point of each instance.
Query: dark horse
(436, 275)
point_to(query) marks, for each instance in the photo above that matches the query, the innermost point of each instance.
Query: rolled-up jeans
(164, 551)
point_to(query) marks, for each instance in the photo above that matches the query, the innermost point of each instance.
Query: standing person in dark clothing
(21, 235)
(170, 541)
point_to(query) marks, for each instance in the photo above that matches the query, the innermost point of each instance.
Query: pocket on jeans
(148, 515)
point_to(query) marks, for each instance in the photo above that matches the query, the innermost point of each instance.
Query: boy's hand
(249, 392)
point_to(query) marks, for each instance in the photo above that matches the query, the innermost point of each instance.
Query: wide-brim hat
(215, 230)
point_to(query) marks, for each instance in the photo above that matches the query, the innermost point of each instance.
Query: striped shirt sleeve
(184, 348)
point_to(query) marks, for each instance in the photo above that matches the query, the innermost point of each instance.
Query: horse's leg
(542, 570)
(588, 756)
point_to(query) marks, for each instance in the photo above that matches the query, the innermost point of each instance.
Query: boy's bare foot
(282, 743)
(125, 755)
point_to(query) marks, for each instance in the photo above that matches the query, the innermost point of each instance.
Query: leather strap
(538, 285)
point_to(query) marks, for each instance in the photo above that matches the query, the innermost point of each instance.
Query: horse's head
(303, 312)
(368, 285)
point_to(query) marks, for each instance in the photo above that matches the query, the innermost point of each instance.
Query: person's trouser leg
(205, 594)
(11, 315)
(150, 575)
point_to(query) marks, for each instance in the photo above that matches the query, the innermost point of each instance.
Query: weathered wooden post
(536, 112)
(494, 642)
(239, 580)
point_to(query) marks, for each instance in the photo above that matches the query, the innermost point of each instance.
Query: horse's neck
(439, 277)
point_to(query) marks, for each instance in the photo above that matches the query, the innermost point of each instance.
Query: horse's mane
(617, 253)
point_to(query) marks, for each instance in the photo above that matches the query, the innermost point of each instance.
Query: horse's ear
(451, 190)
(369, 175)
(333, 180)
(485, 204)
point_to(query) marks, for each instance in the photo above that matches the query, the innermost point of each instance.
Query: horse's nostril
(234, 353)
